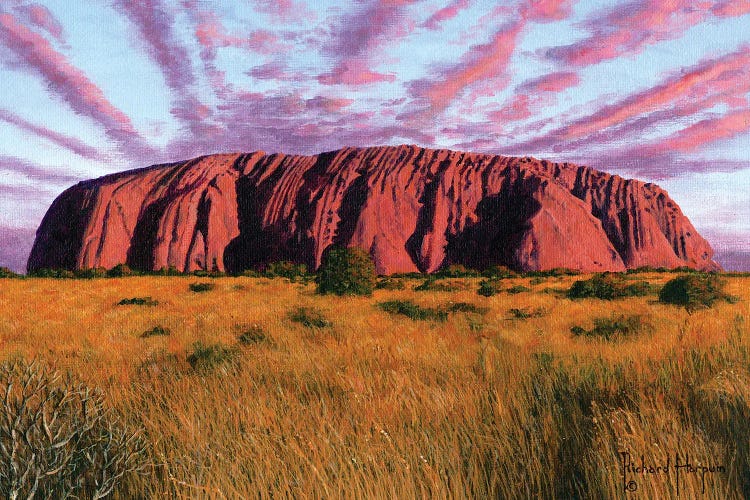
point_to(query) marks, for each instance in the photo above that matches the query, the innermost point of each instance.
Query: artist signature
(681, 466)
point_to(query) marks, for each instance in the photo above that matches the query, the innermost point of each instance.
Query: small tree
(347, 271)
(694, 291)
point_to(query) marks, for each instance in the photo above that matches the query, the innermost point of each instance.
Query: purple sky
(651, 89)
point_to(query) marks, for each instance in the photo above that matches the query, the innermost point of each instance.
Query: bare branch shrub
(57, 438)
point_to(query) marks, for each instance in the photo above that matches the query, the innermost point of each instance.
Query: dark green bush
(432, 284)
(201, 287)
(7, 273)
(694, 291)
(90, 273)
(413, 311)
(488, 288)
(526, 312)
(286, 269)
(465, 307)
(253, 335)
(611, 328)
(52, 273)
(119, 271)
(456, 271)
(138, 301)
(207, 357)
(309, 317)
(499, 272)
(346, 271)
(157, 331)
(607, 286)
(168, 271)
(390, 283)
(518, 289)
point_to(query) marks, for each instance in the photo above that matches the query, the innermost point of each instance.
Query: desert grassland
(483, 405)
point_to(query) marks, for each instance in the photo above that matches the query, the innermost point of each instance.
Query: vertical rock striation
(414, 209)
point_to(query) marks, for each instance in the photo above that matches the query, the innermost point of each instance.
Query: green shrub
(607, 286)
(694, 291)
(432, 284)
(58, 439)
(518, 289)
(413, 311)
(286, 269)
(346, 271)
(309, 317)
(390, 283)
(157, 331)
(201, 287)
(90, 273)
(526, 312)
(253, 335)
(456, 271)
(207, 357)
(168, 271)
(7, 273)
(488, 288)
(465, 307)
(611, 328)
(499, 272)
(119, 271)
(138, 301)
(52, 273)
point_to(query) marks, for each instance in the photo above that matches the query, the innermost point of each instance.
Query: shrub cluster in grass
(499, 272)
(346, 271)
(138, 301)
(490, 287)
(58, 439)
(390, 283)
(416, 312)
(527, 312)
(253, 335)
(120, 271)
(433, 284)
(7, 273)
(201, 287)
(157, 331)
(413, 311)
(554, 273)
(286, 269)
(309, 317)
(456, 271)
(207, 357)
(694, 291)
(614, 327)
(608, 286)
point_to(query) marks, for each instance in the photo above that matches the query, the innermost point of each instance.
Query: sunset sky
(653, 89)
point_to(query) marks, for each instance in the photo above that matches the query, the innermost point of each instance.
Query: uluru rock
(414, 209)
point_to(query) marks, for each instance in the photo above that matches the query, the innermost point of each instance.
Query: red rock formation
(415, 209)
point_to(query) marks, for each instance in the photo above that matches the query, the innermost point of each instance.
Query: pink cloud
(70, 143)
(40, 16)
(354, 72)
(706, 131)
(548, 10)
(359, 37)
(154, 24)
(479, 63)
(516, 110)
(707, 76)
(47, 175)
(731, 8)
(69, 82)
(627, 30)
(551, 82)
(446, 13)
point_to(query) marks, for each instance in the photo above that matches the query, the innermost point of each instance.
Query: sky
(652, 89)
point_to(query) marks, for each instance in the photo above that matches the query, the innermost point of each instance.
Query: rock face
(414, 209)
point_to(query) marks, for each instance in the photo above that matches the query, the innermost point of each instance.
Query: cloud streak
(67, 81)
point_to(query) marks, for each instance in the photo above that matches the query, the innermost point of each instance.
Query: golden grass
(377, 405)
